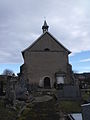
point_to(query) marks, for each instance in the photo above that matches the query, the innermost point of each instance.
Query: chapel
(46, 61)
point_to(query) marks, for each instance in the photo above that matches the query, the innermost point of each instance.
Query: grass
(74, 106)
(7, 113)
(85, 96)
(40, 111)
(48, 110)
(70, 106)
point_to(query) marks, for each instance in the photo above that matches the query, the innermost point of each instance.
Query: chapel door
(47, 82)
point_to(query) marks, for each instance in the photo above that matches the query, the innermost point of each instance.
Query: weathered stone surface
(44, 59)
(10, 90)
(86, 111)
(68, 92)
(21, 92)
(43, 98)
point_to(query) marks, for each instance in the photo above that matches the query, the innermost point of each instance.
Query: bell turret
(45, 27)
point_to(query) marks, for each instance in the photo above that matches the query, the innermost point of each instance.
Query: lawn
(70, 106)
(85, 96)
(7, 113)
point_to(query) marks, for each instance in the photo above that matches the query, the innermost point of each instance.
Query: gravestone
(1, 88)
(10, 90)
(21, 90)
(69, 92)
(86, 111)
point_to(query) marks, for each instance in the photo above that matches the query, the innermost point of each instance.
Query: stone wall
(69, 92)
(43, 64)
(45, 58)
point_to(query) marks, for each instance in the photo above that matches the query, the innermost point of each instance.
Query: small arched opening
(47, 82)
(47, 49)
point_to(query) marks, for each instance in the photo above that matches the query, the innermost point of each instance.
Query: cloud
(84, 69)
(21, 21)
(85, 60)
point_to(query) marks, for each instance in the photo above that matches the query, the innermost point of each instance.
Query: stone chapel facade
(46, 62)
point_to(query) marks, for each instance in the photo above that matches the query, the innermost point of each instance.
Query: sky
(21, 22)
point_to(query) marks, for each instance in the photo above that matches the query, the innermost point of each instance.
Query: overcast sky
(21, 22)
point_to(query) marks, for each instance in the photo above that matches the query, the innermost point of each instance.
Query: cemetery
(46, 87)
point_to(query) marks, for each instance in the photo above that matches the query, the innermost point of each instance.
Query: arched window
(46, 49)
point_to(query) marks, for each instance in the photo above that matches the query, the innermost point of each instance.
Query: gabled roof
(41, 37)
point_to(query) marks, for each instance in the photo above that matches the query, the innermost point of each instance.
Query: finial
(45, 27)
(44, 18)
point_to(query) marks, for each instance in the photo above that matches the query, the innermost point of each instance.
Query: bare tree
(8, 72)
